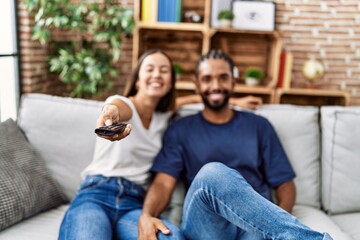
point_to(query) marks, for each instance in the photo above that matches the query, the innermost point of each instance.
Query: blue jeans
(107, 208)
(220, 204)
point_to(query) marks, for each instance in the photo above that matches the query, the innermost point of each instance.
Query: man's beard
(216, 106)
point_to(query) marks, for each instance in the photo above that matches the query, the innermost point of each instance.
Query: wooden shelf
(315, 97)
(240, 31)
(172, 26)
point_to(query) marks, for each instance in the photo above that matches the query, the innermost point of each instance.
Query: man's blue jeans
(220, 204)
(107, 208)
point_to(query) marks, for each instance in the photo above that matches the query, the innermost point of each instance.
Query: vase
(225, 23)
(251, 81)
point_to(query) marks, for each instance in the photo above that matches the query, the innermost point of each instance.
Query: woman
(110, 198)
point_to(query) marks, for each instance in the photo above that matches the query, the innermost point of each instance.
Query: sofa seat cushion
(44, 226)
(319, 221)
(350, 223)
(299, 133)
(340, 159)
(26, 186)
(61, 129)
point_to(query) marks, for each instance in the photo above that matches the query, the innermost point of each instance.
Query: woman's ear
(137, 85)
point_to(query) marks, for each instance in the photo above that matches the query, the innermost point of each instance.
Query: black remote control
(111, 130)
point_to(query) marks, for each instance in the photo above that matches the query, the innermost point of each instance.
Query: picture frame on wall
(254, 15)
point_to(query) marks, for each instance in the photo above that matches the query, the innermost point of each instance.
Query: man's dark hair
(216, 54)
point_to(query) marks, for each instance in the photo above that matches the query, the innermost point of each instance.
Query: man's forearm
(159, 194)
(286, 194)
(155, 201)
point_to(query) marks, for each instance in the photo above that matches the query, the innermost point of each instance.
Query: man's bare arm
(286, 194)
(157, 198)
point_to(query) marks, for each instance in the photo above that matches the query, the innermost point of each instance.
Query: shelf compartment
(314, 97)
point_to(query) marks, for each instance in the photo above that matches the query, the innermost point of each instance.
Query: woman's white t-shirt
(131, 157)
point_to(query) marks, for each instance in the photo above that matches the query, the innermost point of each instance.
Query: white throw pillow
(62, 131)
(340, 159)
(298, 130)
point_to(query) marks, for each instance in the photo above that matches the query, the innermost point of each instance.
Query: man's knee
(213, 171)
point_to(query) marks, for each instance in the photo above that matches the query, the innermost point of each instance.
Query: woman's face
(155, 76)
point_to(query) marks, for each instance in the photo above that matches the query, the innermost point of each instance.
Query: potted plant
(86, 65)
(178, 70)
(225, 18)
(253, 76)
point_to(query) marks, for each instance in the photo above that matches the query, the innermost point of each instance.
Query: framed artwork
(254, 15)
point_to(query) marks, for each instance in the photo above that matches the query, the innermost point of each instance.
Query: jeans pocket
(91, 182)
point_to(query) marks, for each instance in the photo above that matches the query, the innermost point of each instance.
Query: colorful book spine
(149, 11)
(288, 70)
(281, 69)
(145, 13)
(169, 10)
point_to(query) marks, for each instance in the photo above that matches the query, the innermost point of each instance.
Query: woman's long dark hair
(167, 102)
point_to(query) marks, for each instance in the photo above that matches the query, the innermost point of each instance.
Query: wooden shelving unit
(186, 42)
(315, 97)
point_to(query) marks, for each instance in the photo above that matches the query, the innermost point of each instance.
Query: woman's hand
(111, 115)
(249, 102)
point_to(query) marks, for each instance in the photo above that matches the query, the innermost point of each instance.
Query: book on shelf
(149, 11)
(169, 10)
(285, 70)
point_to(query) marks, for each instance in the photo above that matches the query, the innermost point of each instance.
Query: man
(230, 161)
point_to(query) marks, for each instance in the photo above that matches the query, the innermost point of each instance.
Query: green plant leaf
(86, 66)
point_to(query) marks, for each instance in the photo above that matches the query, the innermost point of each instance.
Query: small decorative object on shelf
(225, 18)
(313, 71)
(178, 70)
(253, 76)
(192, 16)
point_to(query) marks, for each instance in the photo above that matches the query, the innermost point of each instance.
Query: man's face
(215, 83)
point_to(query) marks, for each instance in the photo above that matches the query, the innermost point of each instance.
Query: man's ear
(196, 82)
(233, 82)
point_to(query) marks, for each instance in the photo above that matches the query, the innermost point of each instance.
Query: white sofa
(325, 155)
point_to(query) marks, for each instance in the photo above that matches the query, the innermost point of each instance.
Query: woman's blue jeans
(107, 208)
(220, 204)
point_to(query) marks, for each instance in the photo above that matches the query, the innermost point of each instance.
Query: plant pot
(252, 81)
(225, 23)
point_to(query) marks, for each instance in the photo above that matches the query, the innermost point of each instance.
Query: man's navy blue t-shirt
(247, 143)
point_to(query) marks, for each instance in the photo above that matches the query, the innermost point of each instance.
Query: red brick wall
(330, 32)
(327, 30)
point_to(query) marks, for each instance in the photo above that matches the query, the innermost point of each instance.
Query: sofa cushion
(319, 221)
(44, 226)
(349, 223)
(298, 130)
(61, 129)
(340, 159)
(26, 187)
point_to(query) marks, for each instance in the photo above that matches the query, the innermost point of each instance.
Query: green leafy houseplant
(226, 14)
(253, 75)
(86, 66)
